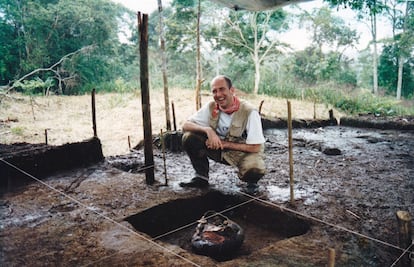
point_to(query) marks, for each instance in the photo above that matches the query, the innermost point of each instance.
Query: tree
(388, 68)
(188, 33)
(370, 9)
(316, 63)
(328, 30)
(405, 43)
(253, 34)
(45, 31)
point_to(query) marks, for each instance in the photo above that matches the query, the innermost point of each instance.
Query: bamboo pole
(145, 98)
(292, 196)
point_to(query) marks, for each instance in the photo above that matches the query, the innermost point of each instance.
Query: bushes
(349, 100)
(361, 102)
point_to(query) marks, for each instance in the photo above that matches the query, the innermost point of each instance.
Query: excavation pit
(174, 222)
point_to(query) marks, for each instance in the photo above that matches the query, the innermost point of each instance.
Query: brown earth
(349, 184)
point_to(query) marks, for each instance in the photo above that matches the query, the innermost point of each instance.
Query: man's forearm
(189, 126)
(241, 147)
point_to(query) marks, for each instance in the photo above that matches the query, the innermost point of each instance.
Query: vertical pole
(46, 136)
(164, 68)
(260, 107)
(163, 156)
(145, 97)
(331, 257)
(292, 196)
(95, 134)
(173, 112)
(404, 236)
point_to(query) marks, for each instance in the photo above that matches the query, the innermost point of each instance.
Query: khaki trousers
(251, 166)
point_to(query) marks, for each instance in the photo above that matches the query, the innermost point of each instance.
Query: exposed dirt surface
(349, 184)
(348, 198)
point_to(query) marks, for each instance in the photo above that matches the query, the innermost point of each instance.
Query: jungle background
(63, 47)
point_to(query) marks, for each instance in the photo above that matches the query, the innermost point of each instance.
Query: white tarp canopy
(257, 5)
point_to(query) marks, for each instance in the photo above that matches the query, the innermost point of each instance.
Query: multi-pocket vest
(237, 133)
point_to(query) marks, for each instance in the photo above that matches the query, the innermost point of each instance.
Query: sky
(144, 6)
(297, 38)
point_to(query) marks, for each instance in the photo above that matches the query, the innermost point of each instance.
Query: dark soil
(348, 185)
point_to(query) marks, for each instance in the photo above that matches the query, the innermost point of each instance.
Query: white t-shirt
(253, 128)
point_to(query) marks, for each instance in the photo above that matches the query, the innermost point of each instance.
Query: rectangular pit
(262, 224)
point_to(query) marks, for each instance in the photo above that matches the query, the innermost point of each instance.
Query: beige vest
(238, 122)
(237, 128)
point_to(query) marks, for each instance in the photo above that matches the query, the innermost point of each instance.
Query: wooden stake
(260, 107)
(95, 134)
(173, 112)
(404, 236)
(145, 98)
(292, 196)
(46, 136)
(331, 258)
(163, 157)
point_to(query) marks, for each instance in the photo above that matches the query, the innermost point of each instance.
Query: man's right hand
(213, 140)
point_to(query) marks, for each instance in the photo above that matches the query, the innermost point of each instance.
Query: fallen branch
(51, 68)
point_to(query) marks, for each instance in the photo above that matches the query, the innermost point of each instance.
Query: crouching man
(227, 130)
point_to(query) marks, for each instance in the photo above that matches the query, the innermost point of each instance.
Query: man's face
(222, 94)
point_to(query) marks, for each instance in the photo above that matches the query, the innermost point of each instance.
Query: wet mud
(348, 185)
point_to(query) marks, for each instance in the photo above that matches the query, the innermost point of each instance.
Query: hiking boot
(196, 182)
(251, 189)
(252, 176)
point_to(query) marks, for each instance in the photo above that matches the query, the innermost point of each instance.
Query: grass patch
(17, 131)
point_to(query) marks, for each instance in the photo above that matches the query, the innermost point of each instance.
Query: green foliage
(368, 103)
(35, 86)
(360, 102)
(328, 30)
(347, 99)
(388, 69)
(17, 131)
(312, 66)
(183, 18)
(40, 33)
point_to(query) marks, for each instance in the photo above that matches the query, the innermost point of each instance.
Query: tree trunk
(256, 78)
(401, 57)
(164, 69)
(198, 61)
(375, 53)
(400, 73)
(255, 56)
